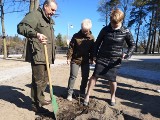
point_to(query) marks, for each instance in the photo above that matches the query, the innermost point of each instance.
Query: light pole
(68, 27)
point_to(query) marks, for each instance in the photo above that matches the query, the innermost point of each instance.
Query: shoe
(45, 102)
(38, 118)
(85, 103)
(113, 103)
(69, 97)
(34, 108)
(43, 117)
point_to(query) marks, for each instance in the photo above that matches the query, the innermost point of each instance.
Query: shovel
(53, 99)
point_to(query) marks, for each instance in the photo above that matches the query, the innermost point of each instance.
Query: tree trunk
(155, 29)
(158, 46)
(3, 31)
(137, 37)
(149, 36)
(36, 4)
(31, 8)
(154, 41)
(158, 43)
(150, 48)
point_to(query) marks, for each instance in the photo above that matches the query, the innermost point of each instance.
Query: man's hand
(42, 38)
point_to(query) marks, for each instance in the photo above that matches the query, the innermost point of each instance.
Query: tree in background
(61, 42)
(141, 16)
(65, 44)
(34, 4)
(9, 6)
(14, 45)
(146, 14)
(137, 15)
(106, 6)
(3, 30)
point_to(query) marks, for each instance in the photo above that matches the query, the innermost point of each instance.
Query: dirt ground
(137, 96)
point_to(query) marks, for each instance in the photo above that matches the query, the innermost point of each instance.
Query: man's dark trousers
(39, 83)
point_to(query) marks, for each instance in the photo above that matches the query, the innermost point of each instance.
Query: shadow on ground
(145, 102)
(14, 95)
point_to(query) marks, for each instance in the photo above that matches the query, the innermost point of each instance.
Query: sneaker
(85, 103)
(69, 97)
(113, 103)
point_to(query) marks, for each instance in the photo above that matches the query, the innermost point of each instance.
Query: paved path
(10, 73)
(147, 74)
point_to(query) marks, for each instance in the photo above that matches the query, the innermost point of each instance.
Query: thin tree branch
(15, 11)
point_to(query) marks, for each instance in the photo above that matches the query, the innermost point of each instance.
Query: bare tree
(31, 8)
(9, 4)
(34, 4)
(105, 7)
(3, 30)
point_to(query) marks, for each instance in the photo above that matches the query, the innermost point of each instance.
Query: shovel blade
(54, 105)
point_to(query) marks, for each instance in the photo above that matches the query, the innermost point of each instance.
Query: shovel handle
(48, 70)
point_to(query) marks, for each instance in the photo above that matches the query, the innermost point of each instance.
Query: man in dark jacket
(80, 54)
(37, 27)
(108, 53)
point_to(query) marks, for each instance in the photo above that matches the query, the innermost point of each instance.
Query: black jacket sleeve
(131, 44)
(98, 42)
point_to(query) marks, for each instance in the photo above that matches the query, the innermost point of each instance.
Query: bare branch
(15, 11)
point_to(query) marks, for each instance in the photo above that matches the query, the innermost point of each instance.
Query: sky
(71, 12)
